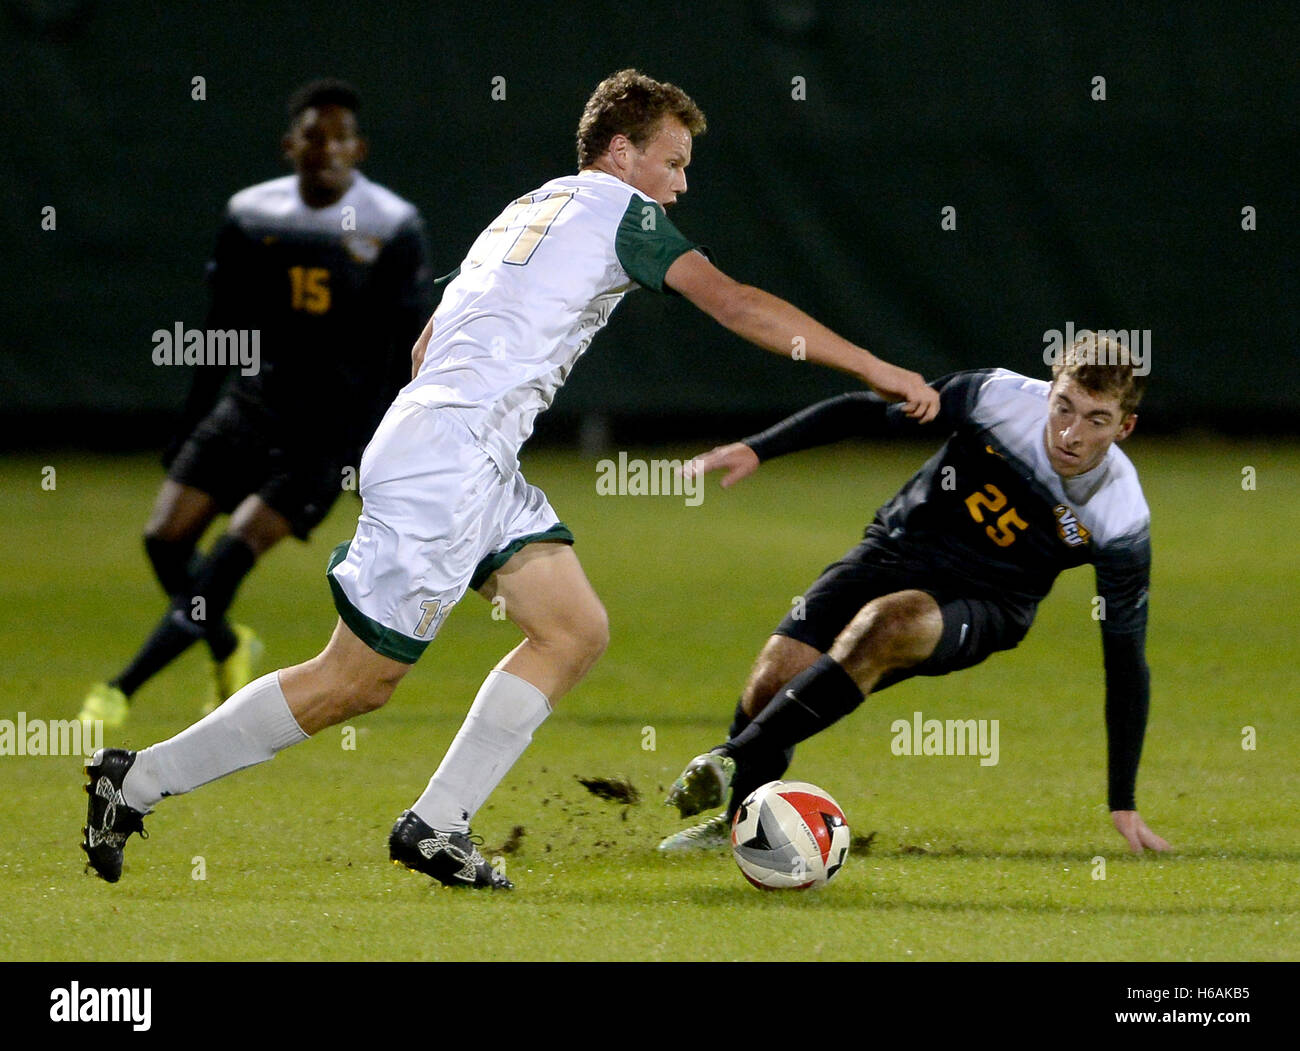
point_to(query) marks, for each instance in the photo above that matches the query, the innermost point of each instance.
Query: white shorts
(437, 518)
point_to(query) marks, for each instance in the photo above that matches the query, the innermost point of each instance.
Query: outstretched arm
(1123, 579)
(777, 326)
(858, 414)
(1128, 694)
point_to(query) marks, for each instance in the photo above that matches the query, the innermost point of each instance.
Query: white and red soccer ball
(789, 835)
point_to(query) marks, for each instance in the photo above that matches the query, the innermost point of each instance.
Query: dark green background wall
(1124, 213)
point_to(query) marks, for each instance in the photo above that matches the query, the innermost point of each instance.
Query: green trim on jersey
(559, 533)
(647, 243)
(384, 641)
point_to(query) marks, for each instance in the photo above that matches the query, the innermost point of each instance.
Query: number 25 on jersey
(994, 500)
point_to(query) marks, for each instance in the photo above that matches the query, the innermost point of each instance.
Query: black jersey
(988, 514)
(338, 295)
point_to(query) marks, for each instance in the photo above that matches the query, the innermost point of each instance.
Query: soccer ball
(789, 835)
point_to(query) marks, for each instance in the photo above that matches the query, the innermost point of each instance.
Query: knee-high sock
(758, 768)
(810, 702)
(248, 729)
(217, 579)
(175, 564)
(171, 563)
(494, 735)
(215, 583)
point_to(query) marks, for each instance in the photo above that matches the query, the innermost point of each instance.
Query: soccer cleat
(104, 704)
(702, 784)
(452, 858)
(237, 670)
(109, 820)
(711, 834)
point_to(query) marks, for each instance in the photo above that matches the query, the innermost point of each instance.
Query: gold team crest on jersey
(362, 248)
(1069, 528)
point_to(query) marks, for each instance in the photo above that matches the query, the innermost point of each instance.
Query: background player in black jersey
(330, 270)
(1030, 482)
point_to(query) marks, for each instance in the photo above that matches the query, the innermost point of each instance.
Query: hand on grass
(1134, 829)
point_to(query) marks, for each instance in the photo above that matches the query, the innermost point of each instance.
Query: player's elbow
(735, 306)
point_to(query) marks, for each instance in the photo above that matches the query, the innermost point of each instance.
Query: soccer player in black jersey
(1030, 482)
(329, 270)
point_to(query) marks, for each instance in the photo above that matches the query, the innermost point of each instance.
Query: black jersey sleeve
(1128, 698)
(862, 414)
(1123, 577)
(226, 276)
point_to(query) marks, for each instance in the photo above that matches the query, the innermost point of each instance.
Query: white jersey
(368, 215)
(533, 290)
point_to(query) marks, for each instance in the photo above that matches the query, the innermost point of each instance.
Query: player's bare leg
(890, 633)
(546, 594)
(779, 661)
(259, 525)
(180, 514)
(346, 679)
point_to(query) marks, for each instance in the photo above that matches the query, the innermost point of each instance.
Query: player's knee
(371, 696)
(356, 687)
(590, 633)
(362, 693)
(582, 636)
(259, 537)
(890, 632)
(781, 660)
(763, 685)
(164, 529)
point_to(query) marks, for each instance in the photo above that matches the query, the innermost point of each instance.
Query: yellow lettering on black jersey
(310, 289)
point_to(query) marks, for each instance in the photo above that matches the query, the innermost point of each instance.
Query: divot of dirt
(614, 789)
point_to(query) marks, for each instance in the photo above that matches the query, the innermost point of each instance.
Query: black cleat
(109, 821)
(452, 858)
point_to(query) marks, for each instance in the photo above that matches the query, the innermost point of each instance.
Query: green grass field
(967, 863)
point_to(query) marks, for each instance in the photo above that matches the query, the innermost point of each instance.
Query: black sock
(171, 563)
(221, 640)
(758, 768)
(174, 564)
(175, 633)
(215, 583)
(808, 703)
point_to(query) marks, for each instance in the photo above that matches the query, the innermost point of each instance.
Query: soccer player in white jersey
(445, 508)
(1029, 483)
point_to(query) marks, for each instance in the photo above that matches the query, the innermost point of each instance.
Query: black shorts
(238, 451)
(972, 627)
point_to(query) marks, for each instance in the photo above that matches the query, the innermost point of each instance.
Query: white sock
(248, 729)
(494, 735)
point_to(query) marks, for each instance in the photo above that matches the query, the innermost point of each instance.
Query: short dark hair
(1102, 365)
(632, 104)
(326, 92)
